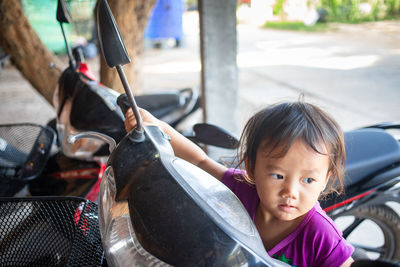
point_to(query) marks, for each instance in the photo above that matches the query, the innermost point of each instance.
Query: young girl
(293, 154)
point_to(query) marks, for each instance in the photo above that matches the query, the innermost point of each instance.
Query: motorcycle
(83, 104)
(59, 174)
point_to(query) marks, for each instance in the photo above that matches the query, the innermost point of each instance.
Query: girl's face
(289, 186)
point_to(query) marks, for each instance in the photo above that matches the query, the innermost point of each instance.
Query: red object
(84, 69)
(94, 191)
(348, 200)
(87, 173)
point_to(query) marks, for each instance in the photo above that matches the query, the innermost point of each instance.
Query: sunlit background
(350, 69)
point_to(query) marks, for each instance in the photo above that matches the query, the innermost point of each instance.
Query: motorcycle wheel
(384, 219)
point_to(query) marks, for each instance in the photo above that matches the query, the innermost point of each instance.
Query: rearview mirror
(115, 53)
(111, 42)
(63, 15)
(213, 135)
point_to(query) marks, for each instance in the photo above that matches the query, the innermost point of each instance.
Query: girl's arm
(183, 147)
(348, 262)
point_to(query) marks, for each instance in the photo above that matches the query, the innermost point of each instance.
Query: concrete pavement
(352, 72)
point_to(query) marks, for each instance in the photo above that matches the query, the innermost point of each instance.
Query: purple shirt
(315, 242)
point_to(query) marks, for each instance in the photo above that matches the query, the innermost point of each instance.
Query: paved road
(352, 72)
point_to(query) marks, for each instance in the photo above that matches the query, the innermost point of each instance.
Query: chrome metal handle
(110, 141)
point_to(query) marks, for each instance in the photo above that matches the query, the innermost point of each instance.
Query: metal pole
(131, 99)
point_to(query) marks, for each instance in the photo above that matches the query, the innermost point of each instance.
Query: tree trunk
(131, 17)
(28, 53)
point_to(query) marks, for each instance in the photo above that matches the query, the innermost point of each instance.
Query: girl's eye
(277, 176)
(308, 180)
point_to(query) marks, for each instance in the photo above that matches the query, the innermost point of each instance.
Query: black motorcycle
(83, 104)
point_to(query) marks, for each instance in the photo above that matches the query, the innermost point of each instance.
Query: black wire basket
(49, 231)
(24, 151)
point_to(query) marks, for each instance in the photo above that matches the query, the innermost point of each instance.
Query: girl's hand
(183, 147)
(130, 120)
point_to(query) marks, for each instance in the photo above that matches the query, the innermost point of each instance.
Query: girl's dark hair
(280, 125)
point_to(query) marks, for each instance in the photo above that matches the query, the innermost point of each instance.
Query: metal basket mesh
(49, 231)
(24, 151)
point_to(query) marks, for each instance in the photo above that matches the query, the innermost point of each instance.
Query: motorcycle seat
(94, 108)
(368, 152)
(159, 104)
(171, 107)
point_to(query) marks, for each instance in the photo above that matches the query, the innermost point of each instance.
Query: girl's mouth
(286, 207)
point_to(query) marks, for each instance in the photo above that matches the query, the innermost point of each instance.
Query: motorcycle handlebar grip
(123, 103)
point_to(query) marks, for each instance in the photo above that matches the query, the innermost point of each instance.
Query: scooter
(83, 104)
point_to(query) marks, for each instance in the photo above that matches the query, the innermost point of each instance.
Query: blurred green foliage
(360, 10)
(278, 7)
(41, 15)
(295, 26)
(351, 11)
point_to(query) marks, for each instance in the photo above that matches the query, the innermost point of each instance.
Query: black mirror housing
(213, 135)
(111, 42)
(63, 15)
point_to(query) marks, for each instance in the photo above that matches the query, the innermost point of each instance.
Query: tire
(384, 218)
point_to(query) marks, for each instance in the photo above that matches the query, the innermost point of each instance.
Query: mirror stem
(131, 99)
(71, 59)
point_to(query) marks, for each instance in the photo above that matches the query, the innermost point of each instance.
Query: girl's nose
(289, 190)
